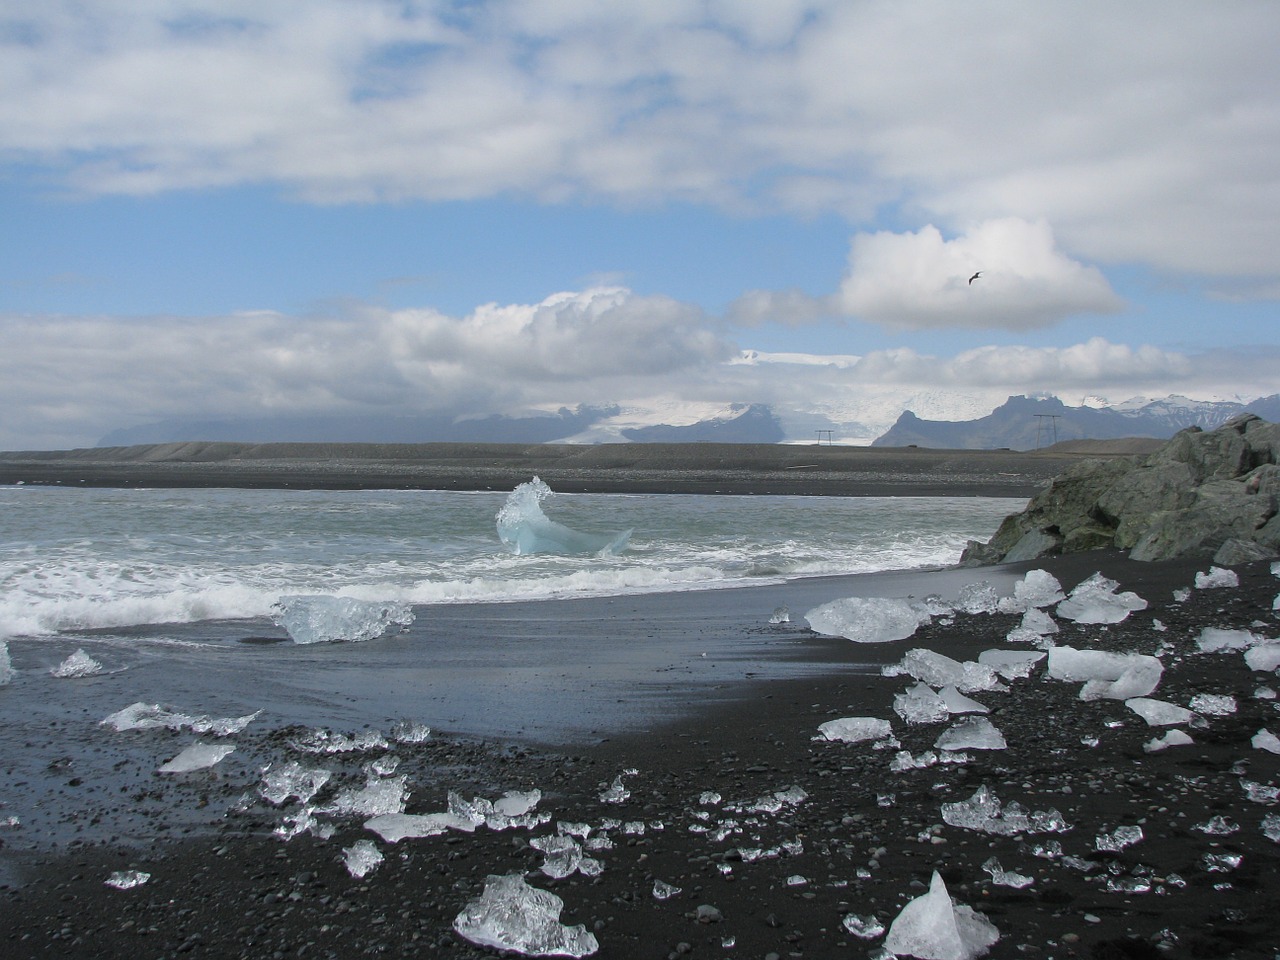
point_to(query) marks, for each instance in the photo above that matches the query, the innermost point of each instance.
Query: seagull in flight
(974, 277)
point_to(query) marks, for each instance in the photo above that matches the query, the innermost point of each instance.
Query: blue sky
(333, 207)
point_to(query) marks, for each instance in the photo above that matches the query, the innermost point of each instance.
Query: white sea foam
(200, 555)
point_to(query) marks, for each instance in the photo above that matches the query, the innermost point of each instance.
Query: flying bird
(974, 277)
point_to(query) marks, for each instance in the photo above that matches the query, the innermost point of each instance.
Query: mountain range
(1020, 423)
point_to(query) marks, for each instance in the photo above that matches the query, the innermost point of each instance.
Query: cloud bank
(1143, 132)
(75, 379)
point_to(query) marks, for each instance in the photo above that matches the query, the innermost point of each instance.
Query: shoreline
(708, 468)
(859, 851)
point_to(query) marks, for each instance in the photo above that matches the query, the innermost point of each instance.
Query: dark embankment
(607, 468)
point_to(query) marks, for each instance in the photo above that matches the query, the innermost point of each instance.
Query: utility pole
(825, 435)
(1053, 419)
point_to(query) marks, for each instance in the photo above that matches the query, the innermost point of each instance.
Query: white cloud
(1145, 132)
(920, 281)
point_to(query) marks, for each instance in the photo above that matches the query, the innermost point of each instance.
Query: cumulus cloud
(1142, 132)
(921, 280)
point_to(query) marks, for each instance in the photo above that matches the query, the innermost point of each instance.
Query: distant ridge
(1026, 423)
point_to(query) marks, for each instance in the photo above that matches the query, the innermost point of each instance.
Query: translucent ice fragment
(1119, 838)
(564, 857)
(984, 812)
(664, 891)
(1011, 664)
(515, 803)
(1221, 862)
(1217, 577)
(616, 792)
(323, 741)
(361, 857)
(325, 619)
(957, 702)
(855, 729)
(793, 796)
(292, 780)
(1039, 588)
(525, 529)
(780, 615)
(1159, 713)
(1096, 601)
(903, 760)
(145, 716)
(1171, 738)
(1264, 739)
(511, 915)
(1006, 878)
(920, 704)
(1265, 657)
(973, 733)
(1271, 827)
(394, 827)
(866, 927)
(127, 879)
(1260, 792)
(1218, 826)
(408, 731)
(977, 598)
(1138, 679)
(1217, 640)
(6, 665)
(866, 620)
(933, 927)
(1035, 624)
(1213, 704)
(1109, 676)
(378, 797)
(198, 756)
(79, 664)
(939, 670)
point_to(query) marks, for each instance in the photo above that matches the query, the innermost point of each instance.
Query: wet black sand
(865, 840)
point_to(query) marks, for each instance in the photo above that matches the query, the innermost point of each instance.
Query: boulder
(1201, 494)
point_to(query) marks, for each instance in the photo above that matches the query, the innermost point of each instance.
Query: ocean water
(99, 559)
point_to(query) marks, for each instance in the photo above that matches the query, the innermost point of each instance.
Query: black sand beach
(741, 723)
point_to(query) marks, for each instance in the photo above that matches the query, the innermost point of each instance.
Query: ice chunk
(525, 529)
(771, 803)
(1010, 664)
(974, 733)
(1218, 826)
(1138, 679)
(514, 803)
(957, 702)
(1171, 738)
(379, 797)
(866, 620)
(664, 891)
(1260, 792)
(919, 704)
(1118, 839)
(1112, 676)
(394, 827)
(984, 812)
(79, 664)
(1271, 827)
(780, 615)
(855, 729)
(303, 821)
(1005, 878)
(977, 598)
(1265, 657)
(1216, 640)
(1264, 739)
(361, 857)
(1039, 588)
(325, 619)
(6, 665)
(127, 879)
(408, 731)
(1217, 577)
(198, 756)
(323, 741)
(1095, 601)
(292, 780)
(1035, 625)
(564, 857)
(146, 716)
(1159, 713)
(1213, 704)
(617, 791)
(903, 760)
(932, 927)
(511, 915)
(866, 927)
(939, 670)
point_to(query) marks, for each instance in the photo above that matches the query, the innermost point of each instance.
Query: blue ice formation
(323, 619)
(525, 529)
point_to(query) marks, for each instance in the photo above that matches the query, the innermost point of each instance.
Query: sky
(221, 209)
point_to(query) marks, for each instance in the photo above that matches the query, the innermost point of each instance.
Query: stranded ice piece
(855, 729)
(79, 664)
(198, 756)
(866, 619)
(511, 915)
(323, 619)
(1096, 601)
(933, 927)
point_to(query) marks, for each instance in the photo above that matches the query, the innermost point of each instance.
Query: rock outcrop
(1211, 494)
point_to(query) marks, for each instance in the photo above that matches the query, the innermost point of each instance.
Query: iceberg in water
(933, 927)
(525, 529)
(867, 620)
(322, 619)
(511, 915)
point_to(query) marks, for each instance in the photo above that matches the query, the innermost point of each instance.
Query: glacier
(525, 529)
